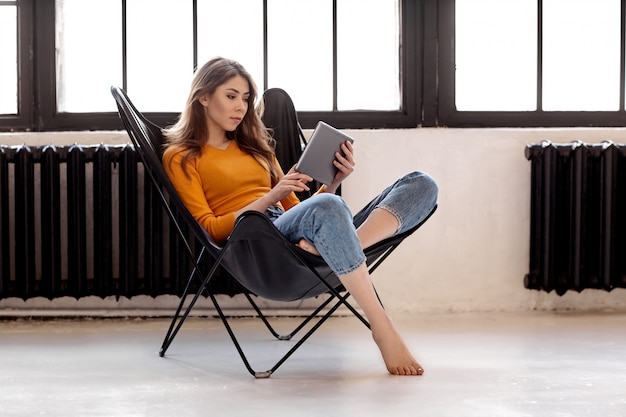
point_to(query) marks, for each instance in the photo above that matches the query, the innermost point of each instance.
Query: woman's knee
(327, 212)
(423, 185)
(330, 205)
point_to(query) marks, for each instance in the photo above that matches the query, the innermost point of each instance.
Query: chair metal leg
(234, 339)
(289, 336)
(177, 321)
(171, 332)
(266, 374)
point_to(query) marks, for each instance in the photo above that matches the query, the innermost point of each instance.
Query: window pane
(239, 38)
(300, 51)
(368, 64)
(8, 60)
(581, 52)
(496, 55)
(160, 53)
(89, 54)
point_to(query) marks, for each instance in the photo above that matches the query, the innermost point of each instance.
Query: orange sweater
(220, 182)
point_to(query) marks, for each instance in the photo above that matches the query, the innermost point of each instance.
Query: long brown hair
(190, 131)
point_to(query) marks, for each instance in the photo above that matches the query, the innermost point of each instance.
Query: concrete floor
(497, 364)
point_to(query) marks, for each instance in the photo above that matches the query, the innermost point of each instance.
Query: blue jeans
(326, 221)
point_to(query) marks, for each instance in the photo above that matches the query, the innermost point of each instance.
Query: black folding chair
(256, 254)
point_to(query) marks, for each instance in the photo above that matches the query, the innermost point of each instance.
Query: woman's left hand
(344, 161)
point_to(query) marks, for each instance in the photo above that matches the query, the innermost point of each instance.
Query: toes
(394, 371)
(407, 370)
(418, 369)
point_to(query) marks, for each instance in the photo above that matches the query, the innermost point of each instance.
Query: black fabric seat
(256, 254)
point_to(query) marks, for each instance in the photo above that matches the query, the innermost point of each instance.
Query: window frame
(449, 116)
(37, 82)
(49, 118)
(427, 81)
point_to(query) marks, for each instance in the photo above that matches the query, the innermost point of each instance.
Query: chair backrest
(148, 140)
(280, 116)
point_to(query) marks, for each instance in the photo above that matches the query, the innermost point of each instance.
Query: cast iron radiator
(578, 216)
(83, 221)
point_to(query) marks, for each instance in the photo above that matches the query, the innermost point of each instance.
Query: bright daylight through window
(497, 55)
(159, 62)
(8, 58)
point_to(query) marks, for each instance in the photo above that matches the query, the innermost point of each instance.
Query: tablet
(319, 153)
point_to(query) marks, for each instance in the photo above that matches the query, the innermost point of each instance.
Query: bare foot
(396, 355)
(307, 246)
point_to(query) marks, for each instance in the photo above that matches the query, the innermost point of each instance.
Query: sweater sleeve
(189, 188)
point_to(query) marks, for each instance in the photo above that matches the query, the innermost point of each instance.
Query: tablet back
(319, 154)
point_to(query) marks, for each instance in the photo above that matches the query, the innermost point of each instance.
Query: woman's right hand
(293, 181)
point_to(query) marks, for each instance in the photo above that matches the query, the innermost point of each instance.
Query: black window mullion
(25, 114)
(44, 63)
(446, 62)
(426, 60)
(412, 61)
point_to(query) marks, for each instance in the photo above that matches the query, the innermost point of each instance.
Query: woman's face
(227, 106)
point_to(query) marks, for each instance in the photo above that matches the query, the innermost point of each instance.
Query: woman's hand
(345, 165)
(293, 181)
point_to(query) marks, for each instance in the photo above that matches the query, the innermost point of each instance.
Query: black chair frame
(256, 254)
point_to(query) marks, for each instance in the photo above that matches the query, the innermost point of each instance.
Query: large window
(340, 60)
(352, 63)
(495, 55)
(532, 63)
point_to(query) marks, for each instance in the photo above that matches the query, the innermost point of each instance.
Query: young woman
(220, 157)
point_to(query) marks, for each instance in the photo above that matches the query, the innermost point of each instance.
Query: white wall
(472, 255)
